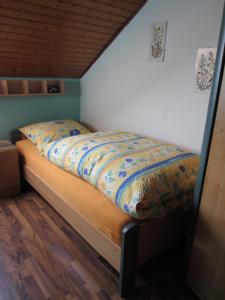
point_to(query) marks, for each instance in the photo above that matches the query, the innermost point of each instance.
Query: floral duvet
(145, 177)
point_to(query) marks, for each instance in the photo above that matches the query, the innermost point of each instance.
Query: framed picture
(158, 41)
(204, 69)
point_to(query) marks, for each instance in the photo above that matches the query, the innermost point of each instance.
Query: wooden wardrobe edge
(102, 244)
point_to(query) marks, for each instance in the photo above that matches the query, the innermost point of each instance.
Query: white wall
(124, 90)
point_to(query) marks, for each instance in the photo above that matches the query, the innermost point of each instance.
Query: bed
(122, 240)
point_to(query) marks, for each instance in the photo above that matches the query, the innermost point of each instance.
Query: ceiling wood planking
(55, 15)
(46, 21)
(22, 48)
(84, 44)
(45, 59)
(37, 62)
(37, 65)
(64, 7)
(128, 5)
(58, 38)
(48, 48)
(13, 55)
(45, 35)
(68, 31)
(19, 72)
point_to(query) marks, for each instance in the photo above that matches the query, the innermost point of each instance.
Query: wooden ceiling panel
(58, 38)
(55, 15)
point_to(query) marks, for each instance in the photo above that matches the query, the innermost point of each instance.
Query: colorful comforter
(143, 176)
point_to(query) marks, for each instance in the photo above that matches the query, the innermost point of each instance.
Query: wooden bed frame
(140, 240)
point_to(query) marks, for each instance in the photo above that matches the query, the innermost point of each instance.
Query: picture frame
(158, 41)
(204, 68)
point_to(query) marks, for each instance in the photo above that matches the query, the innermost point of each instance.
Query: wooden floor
(42, 257)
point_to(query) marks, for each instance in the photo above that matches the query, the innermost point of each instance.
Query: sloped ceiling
(58, 38)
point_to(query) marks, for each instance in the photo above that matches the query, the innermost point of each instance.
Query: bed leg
(130, 239)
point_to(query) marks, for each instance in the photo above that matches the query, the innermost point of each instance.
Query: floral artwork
(205, 66)
(159, 30)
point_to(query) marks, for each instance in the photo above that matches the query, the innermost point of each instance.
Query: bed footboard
(140, 241)
(128, 262)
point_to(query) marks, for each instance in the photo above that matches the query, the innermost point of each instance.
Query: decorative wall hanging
(205, 65)
(158, 41)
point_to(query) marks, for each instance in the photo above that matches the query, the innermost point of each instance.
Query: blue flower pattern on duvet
(122, 174)
(74, 132)
(129, 160)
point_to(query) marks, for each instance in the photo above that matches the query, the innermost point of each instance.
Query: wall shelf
(31, 87)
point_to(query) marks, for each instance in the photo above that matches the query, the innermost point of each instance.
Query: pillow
(46, 132)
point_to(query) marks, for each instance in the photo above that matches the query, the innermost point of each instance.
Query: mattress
(82, 197)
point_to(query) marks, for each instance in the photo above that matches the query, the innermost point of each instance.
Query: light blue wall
(19, 111)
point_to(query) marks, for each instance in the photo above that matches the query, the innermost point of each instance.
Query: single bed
(123, 241)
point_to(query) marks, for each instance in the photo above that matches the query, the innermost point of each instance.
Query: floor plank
(42, 257)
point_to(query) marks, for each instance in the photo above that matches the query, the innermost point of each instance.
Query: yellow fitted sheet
(82, 197)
